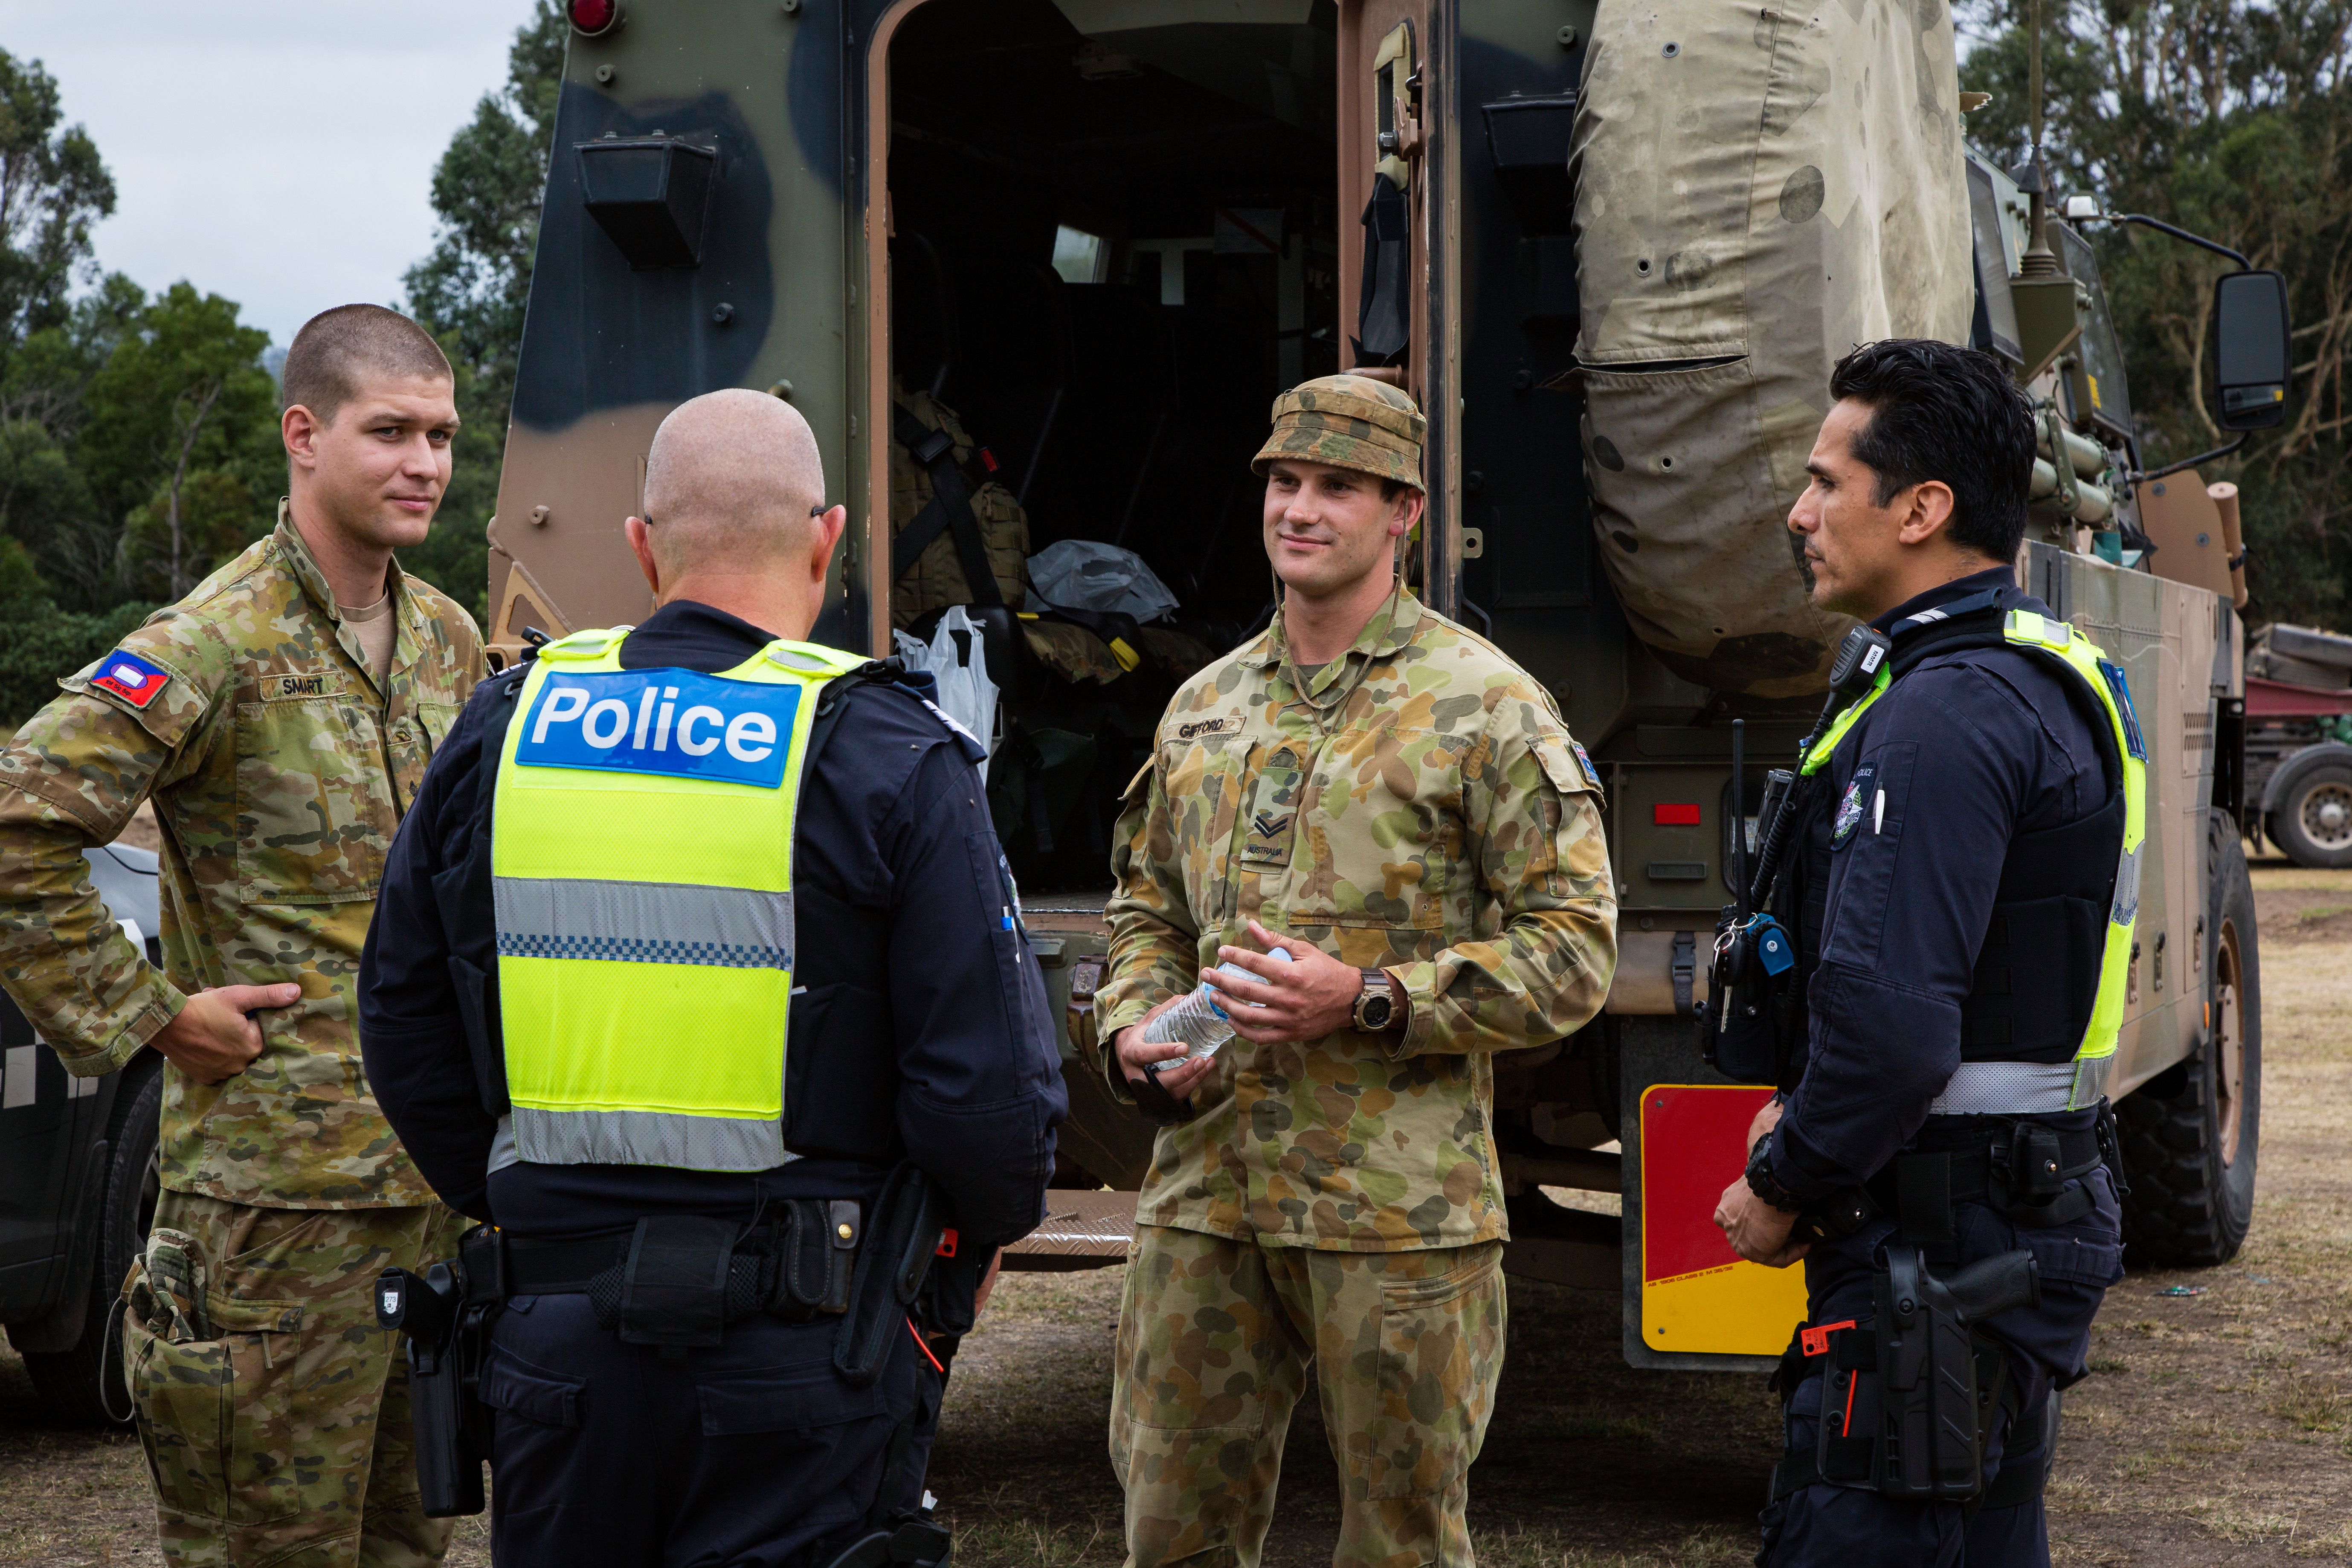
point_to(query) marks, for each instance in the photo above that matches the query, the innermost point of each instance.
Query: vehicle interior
(1109, 250)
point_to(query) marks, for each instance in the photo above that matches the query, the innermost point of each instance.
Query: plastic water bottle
(1198, 1021)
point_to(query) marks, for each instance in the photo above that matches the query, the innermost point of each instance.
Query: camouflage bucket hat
(1349, 422)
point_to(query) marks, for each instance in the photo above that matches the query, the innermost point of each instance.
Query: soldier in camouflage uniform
(1385, 797)
(281, 717)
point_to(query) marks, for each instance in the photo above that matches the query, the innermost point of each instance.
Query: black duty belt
(798, 1261)
(2019, 1167)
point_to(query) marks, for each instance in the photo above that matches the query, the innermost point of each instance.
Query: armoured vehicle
(1613, 252)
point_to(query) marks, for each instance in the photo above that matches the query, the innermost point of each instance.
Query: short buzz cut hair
(1941, 412)
(339, 351)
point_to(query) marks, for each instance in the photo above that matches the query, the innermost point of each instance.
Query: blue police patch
(673, 722)
(1850, 807)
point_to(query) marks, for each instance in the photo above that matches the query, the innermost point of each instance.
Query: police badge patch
(1849, 810)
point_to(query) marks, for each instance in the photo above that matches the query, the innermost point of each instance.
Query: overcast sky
(279, 152)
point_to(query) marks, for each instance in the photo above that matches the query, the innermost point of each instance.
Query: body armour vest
(641, 871)
(2040, 1024)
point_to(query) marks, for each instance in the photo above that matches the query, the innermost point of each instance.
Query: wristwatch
(1764, 1184)
(1376, 1005)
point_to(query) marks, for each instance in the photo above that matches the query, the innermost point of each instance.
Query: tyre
(84, 1386)
(2313, 819)
(2192, 1133)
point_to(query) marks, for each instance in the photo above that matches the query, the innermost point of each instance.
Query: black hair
(1941, 412)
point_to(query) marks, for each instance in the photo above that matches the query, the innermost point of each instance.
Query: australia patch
(1591, 775)
(1850, 807)
(130, 677)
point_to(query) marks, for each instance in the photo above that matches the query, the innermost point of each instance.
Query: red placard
(1693, 1144)
(1676, 814)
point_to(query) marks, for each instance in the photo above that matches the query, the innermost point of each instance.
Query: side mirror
(2250, 350)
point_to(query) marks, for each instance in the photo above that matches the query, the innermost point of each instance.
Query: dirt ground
(2216, 1426)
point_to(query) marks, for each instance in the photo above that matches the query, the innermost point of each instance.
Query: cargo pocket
(281, 1373)
(809, 1398)
(182, 1390)
(540, 1397)
(1440, 1351)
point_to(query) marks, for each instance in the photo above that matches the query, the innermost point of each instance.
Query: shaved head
(733, 482)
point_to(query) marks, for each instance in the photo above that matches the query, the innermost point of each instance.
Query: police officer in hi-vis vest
(1961, 884)
(696, 970)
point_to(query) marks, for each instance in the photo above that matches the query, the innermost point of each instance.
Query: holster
(1910, 1394)
(909, 1220)
(444, 1317)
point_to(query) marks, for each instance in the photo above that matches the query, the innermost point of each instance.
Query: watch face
(1376, 1011)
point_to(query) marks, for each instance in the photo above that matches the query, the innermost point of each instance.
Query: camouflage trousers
(1215, 1337)
(274, 1412)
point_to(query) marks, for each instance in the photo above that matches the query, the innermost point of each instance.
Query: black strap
(561, 1267)
(1381, 310)
(950, 508)
(1686, 970)
(1922, 1198)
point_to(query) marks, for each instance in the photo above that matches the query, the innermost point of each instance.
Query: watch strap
(1764, 1184)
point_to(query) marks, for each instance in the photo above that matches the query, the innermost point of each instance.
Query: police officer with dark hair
(1961, 883)
(696, 970)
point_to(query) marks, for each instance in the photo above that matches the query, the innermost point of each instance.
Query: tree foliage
(472, 288)
(137, 436)
(2233, 119)
(53, 187)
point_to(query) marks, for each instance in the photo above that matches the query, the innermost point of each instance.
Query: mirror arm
(2216, 246)
(2140, 475)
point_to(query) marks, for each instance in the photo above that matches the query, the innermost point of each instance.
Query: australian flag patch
(130, 677)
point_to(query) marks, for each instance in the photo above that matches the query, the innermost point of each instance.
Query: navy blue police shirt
(1965, 752)
(886, 821)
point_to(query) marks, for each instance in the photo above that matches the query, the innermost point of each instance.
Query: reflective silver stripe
(502, 1145)
(2126, 908)
(2090, 1081)
(2009, 1089)
(643, 923)
(648, 1138)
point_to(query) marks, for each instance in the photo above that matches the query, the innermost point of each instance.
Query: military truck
(1613, 252)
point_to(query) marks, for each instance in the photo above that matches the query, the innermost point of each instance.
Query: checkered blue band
(643, 923)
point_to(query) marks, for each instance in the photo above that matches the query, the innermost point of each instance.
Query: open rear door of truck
(1399, 276)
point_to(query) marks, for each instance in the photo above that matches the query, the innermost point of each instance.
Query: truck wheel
(2191, 1134)
(84, 1386)
(2313, 819)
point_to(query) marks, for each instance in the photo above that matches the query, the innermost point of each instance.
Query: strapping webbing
(643, 922)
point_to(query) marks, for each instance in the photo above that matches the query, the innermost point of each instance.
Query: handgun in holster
(909, 1218)
(444, 1319)
(1910, 1394)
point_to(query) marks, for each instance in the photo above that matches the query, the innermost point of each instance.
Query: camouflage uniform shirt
(1420, 809)
(280, 772)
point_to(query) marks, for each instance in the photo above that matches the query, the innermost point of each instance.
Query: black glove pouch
(673, 1284)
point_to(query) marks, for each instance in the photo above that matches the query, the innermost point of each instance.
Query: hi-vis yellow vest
(642, 862)
(1982, 1088)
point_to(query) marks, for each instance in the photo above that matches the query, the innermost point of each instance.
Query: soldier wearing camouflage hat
(280, 717)
(1387, 799)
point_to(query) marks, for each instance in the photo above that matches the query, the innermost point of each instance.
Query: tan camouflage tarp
(1759, 191)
